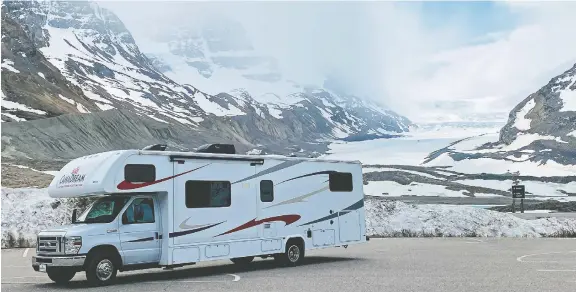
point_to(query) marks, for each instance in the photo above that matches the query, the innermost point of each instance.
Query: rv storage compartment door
(271, 244)
(217, 250)
(323, 237)
(349, 225)
(185, 255)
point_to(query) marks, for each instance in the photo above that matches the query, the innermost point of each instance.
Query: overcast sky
(417, 57)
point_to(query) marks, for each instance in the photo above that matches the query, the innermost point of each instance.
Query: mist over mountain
(70, 62)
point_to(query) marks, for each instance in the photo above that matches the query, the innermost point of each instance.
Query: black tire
(292, 256)
(59, 275)
(242, 261)
(102, 270)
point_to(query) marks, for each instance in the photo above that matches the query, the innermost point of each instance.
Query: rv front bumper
(41, 263)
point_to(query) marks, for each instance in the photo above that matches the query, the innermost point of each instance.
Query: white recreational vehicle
(156, 208)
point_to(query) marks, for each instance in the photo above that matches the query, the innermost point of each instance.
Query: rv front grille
(49, 245)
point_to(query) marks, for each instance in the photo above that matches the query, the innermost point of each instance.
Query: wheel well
(104, 249)
(296, 240)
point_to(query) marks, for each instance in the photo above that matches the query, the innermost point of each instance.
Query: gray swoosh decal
(183, 225)
(272, 169)
(307, 175)
(346, 210)
(300, 198)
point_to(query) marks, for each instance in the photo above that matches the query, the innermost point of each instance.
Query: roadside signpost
(518, 192)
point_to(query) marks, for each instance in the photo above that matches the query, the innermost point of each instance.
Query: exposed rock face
(70, 136)
(545, 122)
(541, 128)
(551, 111)
(31, 85)
(76, 81)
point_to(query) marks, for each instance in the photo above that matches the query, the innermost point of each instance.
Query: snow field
(394, 219)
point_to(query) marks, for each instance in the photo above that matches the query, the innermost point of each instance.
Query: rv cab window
(208, 194)
(104, 210)
(340, 182)
(140, 211)
(266, 191)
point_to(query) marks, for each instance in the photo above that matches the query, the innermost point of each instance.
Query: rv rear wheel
(292, 256)
(101, 270)
(60, 275)
(242, 261)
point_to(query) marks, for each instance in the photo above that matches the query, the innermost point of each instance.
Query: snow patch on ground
(521, 122)
(394, 219)
(27, 211)
(104, 106)
(496, 166)
(394, 189)
(366, 170)
(81, 108)
(68, 100)
(568, 97)
(18, 106)
(8, 65)
(50, 172)
(522, 140)
(14, 117)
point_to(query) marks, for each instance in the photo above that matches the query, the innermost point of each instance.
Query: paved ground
(496, 201)
(536, 215)
(410, 264)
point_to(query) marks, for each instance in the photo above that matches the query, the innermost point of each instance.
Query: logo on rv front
(73, 177)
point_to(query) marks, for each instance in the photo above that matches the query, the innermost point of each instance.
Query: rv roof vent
(155, 147)
(217, 148)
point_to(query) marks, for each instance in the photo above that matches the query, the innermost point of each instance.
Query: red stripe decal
(288, 219)
(126, 185)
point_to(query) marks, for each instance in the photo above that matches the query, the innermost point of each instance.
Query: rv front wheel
(101, 270)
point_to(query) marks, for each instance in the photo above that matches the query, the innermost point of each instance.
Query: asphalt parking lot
(407, 264)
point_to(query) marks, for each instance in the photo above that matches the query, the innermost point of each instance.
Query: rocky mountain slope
(75, 67)
(541, 130)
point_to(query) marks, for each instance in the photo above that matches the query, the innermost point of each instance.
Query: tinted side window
(341, 182)
(208, 194)
(140, 211)
(139, 173)
(266, 191)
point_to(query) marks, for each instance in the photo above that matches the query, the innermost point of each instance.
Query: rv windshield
(104, 210)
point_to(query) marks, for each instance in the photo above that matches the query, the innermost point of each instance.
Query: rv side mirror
(124, 219)
(74, 216)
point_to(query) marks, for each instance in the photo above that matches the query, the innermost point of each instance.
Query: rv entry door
(139, 231)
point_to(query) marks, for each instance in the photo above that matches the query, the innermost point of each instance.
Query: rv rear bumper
(40, 263)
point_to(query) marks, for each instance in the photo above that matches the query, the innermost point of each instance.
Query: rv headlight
(72, 244)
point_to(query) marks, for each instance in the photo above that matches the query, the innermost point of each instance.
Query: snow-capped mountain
(541, 131)
(545, 122)
(76, 57)
(215, 53)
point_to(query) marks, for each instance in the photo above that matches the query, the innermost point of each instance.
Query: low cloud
(389, 52)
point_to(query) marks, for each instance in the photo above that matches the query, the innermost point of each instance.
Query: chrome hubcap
(294, 253)
(104, 270)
